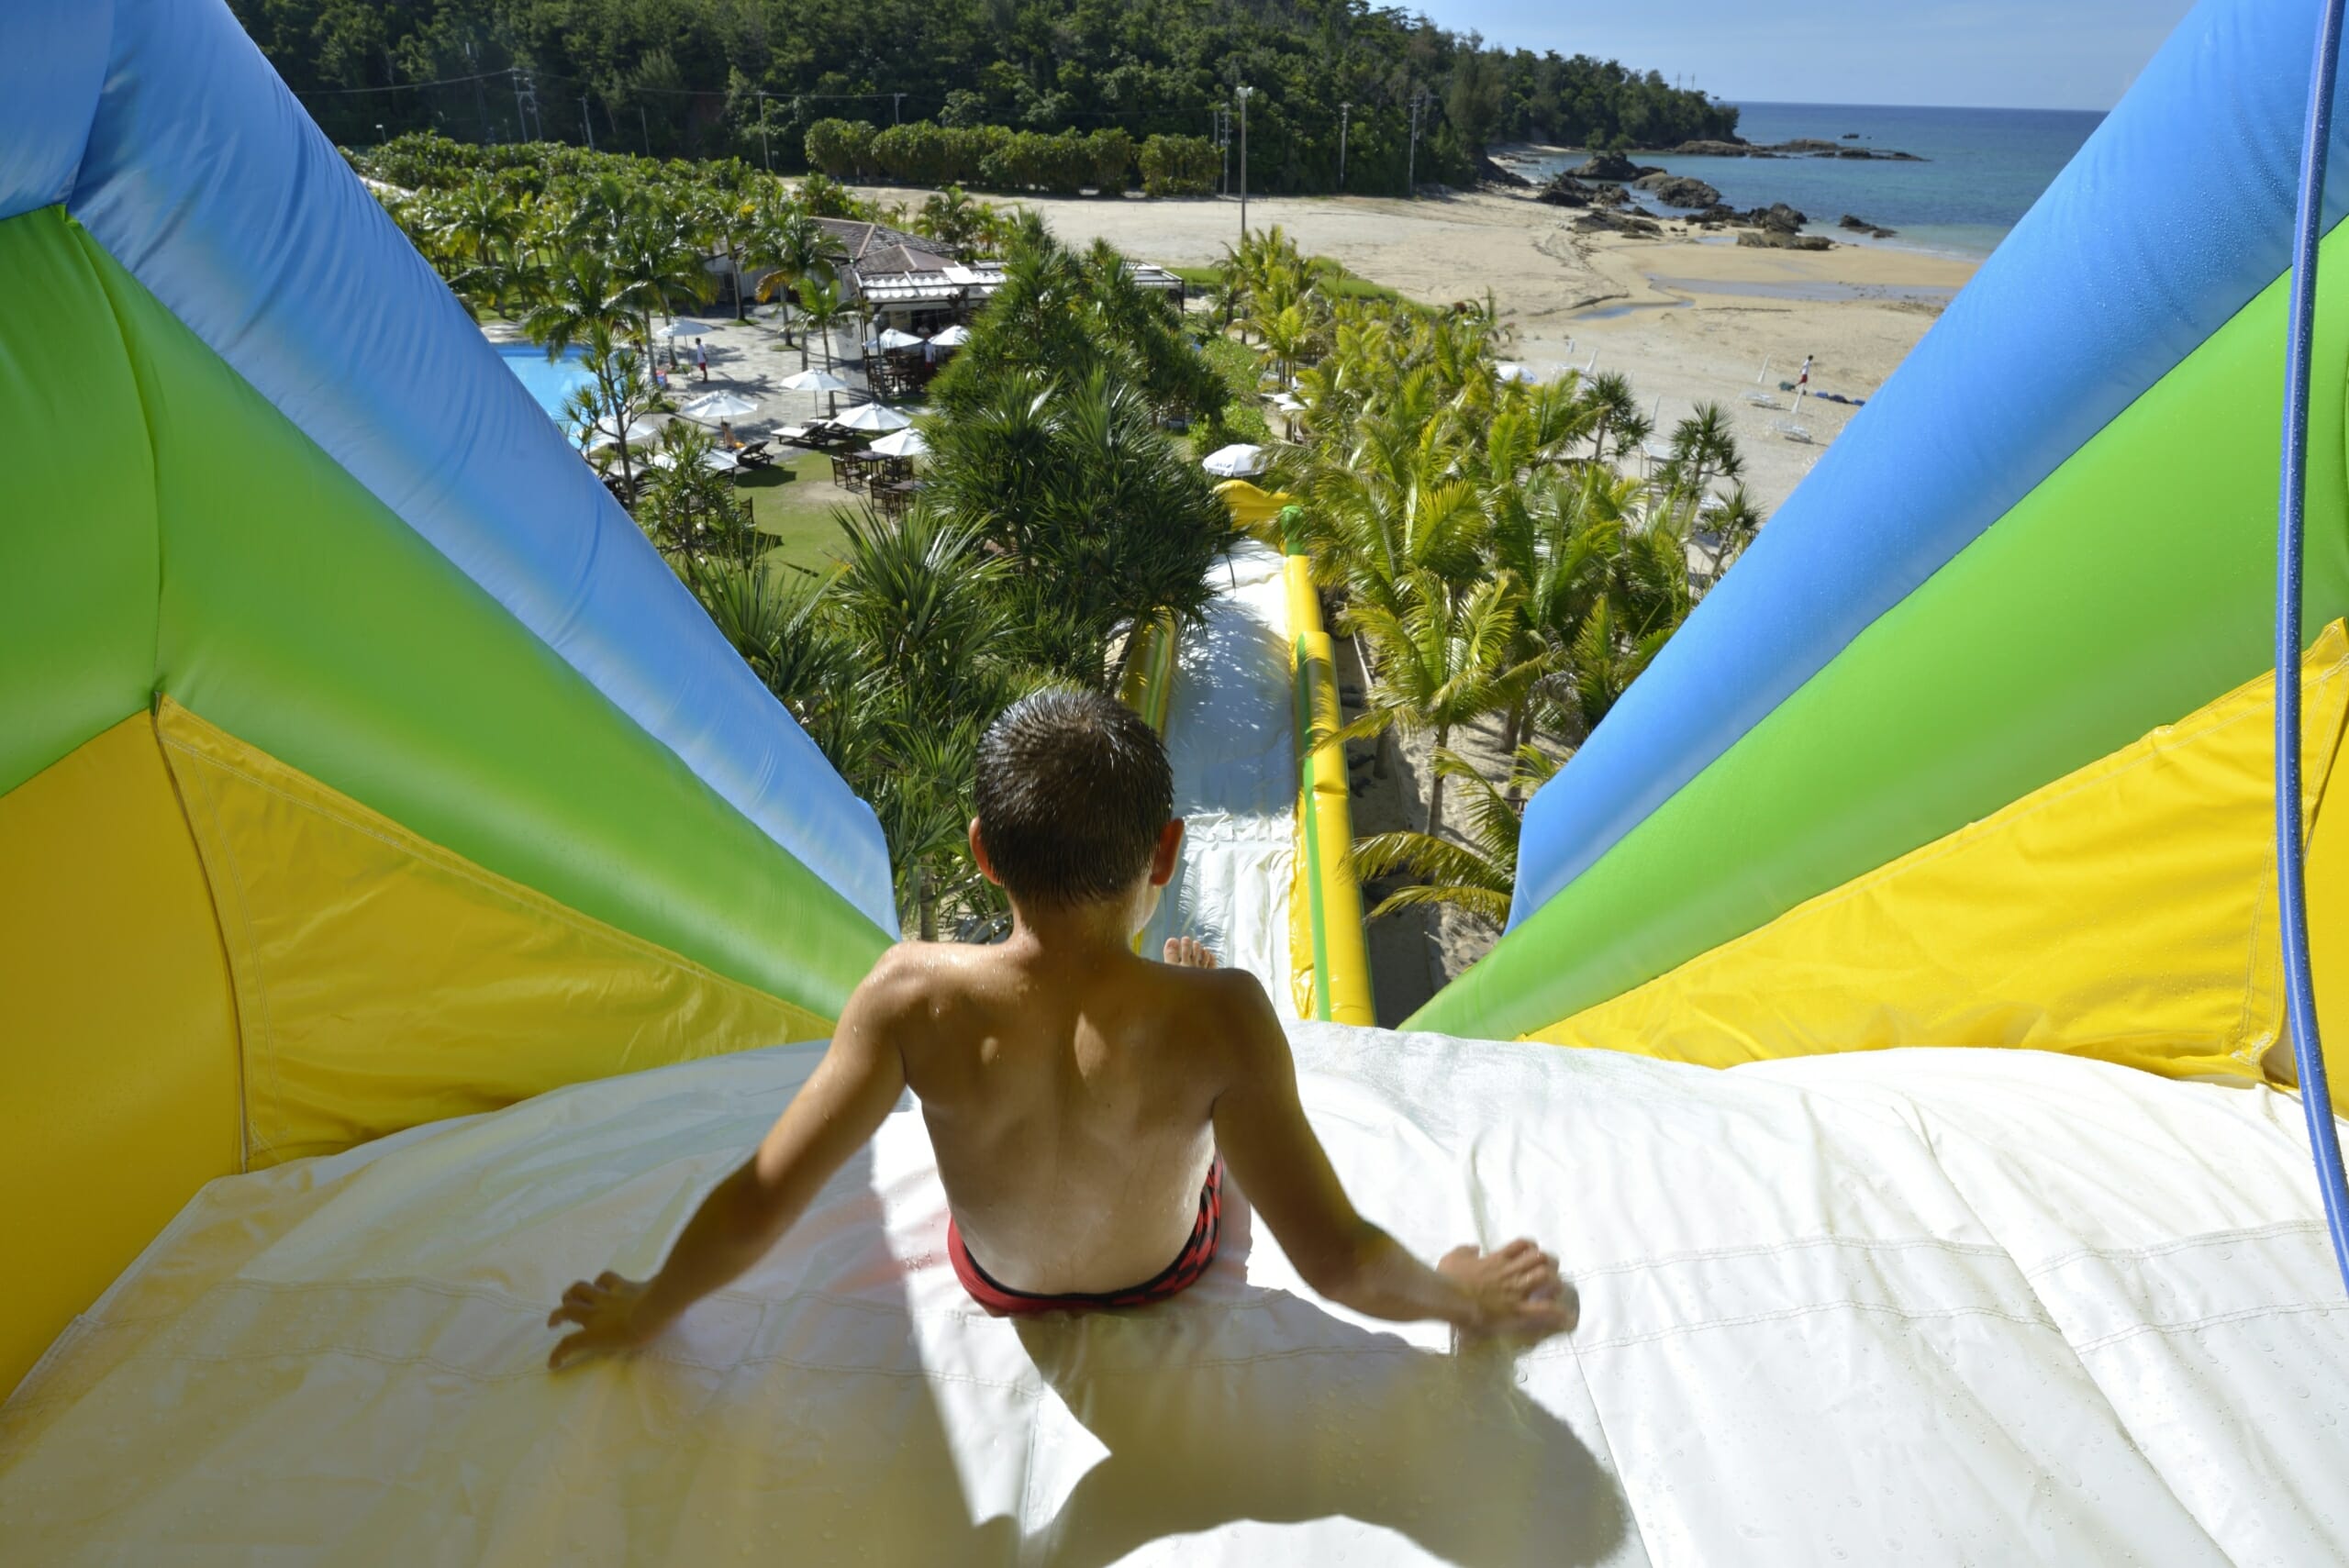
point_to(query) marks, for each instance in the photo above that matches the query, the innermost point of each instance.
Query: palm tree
(656, 269)
(580, 296)
(823, 310)
(1704, 448)
(618, 392)
(1475, 876)
(787, 240)
(1616, 413)
(1439, 659)
(1732, 525)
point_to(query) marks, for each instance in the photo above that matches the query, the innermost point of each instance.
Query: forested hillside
(706, 78)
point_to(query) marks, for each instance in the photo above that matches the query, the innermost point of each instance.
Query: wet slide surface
(1906, 1305)
(1230, 734)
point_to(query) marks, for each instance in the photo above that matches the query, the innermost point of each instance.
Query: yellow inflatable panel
(2328, 897)
(118, 1064)
(1255, 508)
(2125, 912)
(383, 980)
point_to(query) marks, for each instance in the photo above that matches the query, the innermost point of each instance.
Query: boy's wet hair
(1073, 791)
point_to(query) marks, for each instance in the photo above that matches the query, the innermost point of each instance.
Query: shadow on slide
(1333, 1423)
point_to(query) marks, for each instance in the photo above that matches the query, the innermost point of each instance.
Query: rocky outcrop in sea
(1678, 190)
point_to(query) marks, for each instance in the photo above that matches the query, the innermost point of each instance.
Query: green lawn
(1240, 366)
(793, 501)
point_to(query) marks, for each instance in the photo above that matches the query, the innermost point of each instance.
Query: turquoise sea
(1983, 169)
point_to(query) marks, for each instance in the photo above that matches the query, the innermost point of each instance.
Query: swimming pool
(549, 380)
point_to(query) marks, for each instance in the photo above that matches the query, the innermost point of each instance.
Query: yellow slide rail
(1328, 954)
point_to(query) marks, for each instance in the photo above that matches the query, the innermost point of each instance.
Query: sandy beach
(1689, 317)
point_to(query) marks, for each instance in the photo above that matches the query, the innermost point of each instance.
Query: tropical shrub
(841, 149)
(1180, 166)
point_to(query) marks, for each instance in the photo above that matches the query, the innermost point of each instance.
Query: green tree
(1439, 659)
(1477, 876)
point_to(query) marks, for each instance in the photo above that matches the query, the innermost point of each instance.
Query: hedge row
(996, 158)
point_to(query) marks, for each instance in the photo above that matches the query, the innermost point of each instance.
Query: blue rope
(2315, 1100)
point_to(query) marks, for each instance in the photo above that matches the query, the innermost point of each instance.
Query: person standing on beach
(1803, 380)
(701, 359)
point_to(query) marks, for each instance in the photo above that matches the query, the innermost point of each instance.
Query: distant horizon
(1846, 104)
(2070, 56)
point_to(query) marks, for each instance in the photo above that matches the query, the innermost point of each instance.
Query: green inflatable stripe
(303, 618)
(77, 542)
(2132, 586)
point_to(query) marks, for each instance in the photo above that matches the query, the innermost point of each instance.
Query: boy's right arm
(1271, 1149)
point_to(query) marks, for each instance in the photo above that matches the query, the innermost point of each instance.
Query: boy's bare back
(1071, 1106)
(1077, 1095)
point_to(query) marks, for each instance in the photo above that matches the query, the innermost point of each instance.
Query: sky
(2030, 54)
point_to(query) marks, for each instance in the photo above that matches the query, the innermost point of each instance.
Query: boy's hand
(1187, 953)
(1515, 1290)
(604, 1310)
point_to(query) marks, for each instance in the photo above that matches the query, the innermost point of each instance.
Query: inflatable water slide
(408, 903)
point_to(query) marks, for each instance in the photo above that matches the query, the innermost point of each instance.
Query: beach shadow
(1326, 1421)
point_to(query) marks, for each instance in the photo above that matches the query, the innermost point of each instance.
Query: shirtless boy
(1082, 1101)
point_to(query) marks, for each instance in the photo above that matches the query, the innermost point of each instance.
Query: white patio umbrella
(905, 443)
(890, 337)
(817, 381)
(1237, 460)
(1287, 403)
(643, 428)
(713, 406)
(952, 337)
(1513, 373)
(872, 417)
(676, 327)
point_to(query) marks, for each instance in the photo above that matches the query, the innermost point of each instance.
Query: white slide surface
(1230, 737)
(1903, 1307)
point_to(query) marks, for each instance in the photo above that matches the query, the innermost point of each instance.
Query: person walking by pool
(701, 359)
(1803, 380)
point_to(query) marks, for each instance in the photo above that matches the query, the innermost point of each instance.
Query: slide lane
(1230, 729)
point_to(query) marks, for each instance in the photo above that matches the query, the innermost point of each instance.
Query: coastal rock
(1780, 240)
(1489, 173)
(1862, 226)
(1596, 222)
(1610, 195)
(1678, 190)
(1807, 144)
(1711, 150)
(1611, 166)
(1778, 219)
(1714, 216)
(1563, 190)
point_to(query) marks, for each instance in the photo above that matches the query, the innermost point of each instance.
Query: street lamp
(1243, 93)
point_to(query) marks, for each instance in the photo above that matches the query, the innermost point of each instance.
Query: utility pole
(1411, 160)
(1344, 110)
(481, 98)
(585, 124)
(646, 126)
(766, 154)
(894, 99)
(1243, 162)
(521, 126)
(1223, 147)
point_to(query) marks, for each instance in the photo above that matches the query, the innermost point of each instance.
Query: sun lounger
(1791, 430)
(754, 454)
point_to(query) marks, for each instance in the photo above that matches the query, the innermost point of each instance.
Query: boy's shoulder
(912, 975)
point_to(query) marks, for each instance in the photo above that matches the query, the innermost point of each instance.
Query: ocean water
(1983, 169)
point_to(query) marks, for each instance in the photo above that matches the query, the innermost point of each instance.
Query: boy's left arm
(832, 1115)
